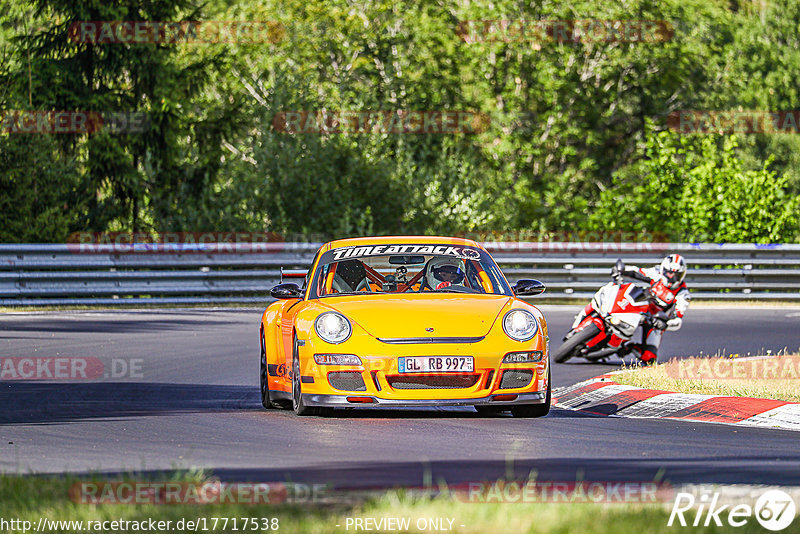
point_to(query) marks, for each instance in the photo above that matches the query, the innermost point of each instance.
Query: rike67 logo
(774, 510)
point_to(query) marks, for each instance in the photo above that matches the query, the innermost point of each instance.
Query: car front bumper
(365, 400)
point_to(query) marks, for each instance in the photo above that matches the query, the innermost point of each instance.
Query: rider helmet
(673, 270)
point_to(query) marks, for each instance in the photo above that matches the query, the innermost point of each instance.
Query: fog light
(524, 357)
(337, 359)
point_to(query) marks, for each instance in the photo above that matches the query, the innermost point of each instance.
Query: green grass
(29, 498)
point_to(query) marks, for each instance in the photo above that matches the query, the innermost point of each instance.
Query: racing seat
(350, 276)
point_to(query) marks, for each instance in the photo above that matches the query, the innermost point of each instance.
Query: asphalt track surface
(196, 405)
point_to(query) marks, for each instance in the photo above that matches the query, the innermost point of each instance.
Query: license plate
(435, 364)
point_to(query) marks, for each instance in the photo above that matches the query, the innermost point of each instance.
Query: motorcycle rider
(669, 295)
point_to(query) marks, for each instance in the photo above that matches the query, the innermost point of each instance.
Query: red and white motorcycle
(617, 310)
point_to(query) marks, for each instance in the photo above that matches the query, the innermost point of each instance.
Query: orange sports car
(404, 322)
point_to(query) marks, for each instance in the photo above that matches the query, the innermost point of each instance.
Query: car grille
(516, 378)
(347, 381)
(459, 381)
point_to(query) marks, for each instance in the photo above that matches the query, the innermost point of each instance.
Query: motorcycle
(618, 309)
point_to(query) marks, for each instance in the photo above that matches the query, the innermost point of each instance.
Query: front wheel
(297, 388)
(297, 385)
(535, 410)
(265, 400)
(575, 342)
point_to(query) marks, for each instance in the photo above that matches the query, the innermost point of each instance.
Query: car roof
(401, 239)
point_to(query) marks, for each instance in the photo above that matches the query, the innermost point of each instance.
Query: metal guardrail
(68, 275)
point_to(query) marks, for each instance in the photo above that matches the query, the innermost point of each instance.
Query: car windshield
(385, 269)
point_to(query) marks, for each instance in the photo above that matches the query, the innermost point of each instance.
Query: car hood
(408, 316)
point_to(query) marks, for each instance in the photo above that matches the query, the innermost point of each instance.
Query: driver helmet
(447, 271)
(673, 270)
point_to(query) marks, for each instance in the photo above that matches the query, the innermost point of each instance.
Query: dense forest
(575, 136)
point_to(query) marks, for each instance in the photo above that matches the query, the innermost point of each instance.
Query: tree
(695, 188)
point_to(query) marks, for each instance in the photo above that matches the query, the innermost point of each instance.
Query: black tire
(297, 386)
(576, 341)
(265, 400)
(535, 410)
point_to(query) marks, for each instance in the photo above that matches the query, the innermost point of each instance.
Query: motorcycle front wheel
(575, 342)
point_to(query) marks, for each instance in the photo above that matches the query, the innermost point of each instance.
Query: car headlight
(333, 327)
(337, 359)
(520, 325)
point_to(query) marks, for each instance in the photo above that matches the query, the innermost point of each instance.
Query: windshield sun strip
(378, 267)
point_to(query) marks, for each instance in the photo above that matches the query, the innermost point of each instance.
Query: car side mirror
(528, 287)
(286, 291)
